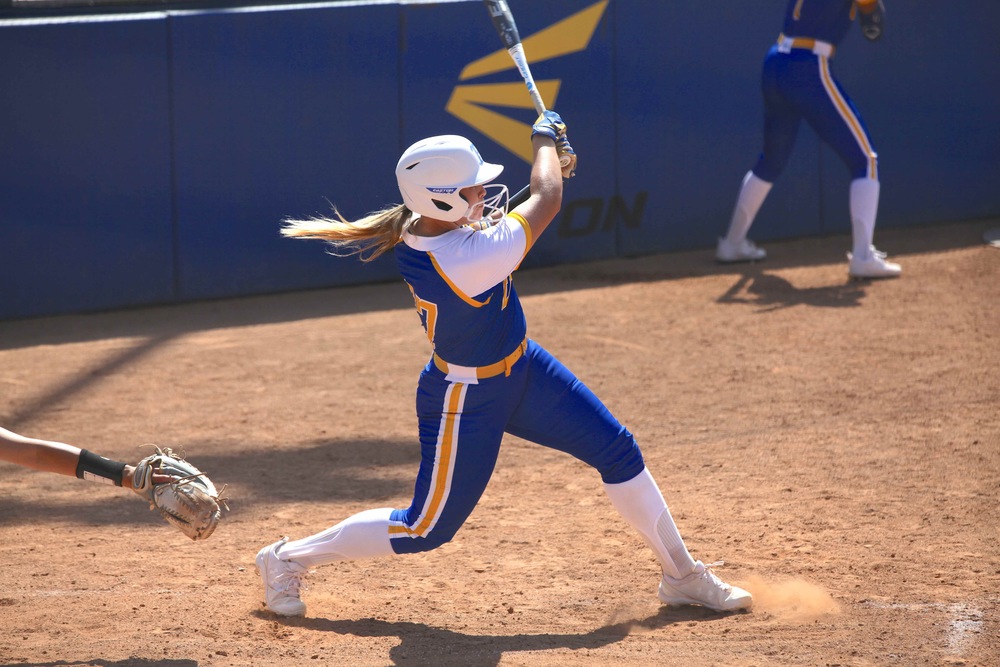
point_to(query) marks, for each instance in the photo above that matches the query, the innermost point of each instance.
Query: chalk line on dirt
(965, 621)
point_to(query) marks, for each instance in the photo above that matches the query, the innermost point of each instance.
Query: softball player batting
(798, 83)
(456, 250)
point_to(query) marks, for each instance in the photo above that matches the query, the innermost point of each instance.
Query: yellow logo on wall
(469, 101)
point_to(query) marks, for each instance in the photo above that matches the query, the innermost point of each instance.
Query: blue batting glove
(549, 124)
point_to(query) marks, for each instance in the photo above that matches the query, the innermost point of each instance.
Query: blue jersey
(825, 20)
(463, 289)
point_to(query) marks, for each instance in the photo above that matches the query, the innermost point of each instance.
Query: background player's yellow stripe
(848, 116)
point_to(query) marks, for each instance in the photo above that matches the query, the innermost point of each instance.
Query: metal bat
(503, 21)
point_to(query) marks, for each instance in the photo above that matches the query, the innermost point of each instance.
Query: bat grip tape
(96, 468)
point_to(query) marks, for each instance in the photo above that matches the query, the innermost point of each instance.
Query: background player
(485, 377)
(798, 83)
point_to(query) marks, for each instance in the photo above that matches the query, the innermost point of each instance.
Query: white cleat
(282, 581)
(703, 588)
(873, 250)
(746, 250)
(874, 266)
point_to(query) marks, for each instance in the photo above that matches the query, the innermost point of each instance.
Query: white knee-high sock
(864, 209)
(641, 504)
(364, 535)
(753, 191)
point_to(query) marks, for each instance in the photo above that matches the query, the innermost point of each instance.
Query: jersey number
(507, 285)
(428, 310)
(428, 314)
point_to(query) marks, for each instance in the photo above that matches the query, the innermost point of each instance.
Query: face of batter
(475, 195)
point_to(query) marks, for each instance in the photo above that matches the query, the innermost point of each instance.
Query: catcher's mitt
(190, 501)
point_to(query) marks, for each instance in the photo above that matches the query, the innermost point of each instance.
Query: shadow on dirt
(156, 327)
(326, 471)
(170, 321)
(421, 644)
(770, 292)
(79, 383)
(99, 662)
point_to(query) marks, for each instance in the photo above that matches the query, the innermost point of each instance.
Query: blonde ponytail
(368, 238)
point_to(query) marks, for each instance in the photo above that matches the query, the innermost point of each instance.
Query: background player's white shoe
(702, 587)
(744, 251)
(875, 251)
(874, 266)
(282, 581)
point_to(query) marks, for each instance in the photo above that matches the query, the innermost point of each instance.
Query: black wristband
(99, 469)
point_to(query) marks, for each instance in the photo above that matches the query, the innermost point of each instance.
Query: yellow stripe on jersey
(454, 288)
(848, 115)
(444, 465)
(527, 230)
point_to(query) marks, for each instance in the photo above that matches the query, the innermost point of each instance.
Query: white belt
(786, 44)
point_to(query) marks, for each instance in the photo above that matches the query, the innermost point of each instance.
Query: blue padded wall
(85, 201)
(149, 157)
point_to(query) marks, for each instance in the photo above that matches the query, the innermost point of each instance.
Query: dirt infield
(836, 443)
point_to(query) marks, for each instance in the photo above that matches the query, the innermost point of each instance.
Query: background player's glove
(550, 124)
(567, 157)
(189, 501)
(872, 18)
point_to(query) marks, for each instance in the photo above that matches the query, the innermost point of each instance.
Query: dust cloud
(791, 600)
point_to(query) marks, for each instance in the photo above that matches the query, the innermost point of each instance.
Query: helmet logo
(442, 191)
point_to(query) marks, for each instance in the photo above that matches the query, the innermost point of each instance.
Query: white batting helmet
(431, 172)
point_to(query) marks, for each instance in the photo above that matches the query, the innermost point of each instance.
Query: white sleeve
(478, 260)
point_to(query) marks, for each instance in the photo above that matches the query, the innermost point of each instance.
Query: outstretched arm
(43, 455)
(58, 457)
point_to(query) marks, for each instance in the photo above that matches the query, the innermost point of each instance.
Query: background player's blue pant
(800, 85)
(461, 427)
